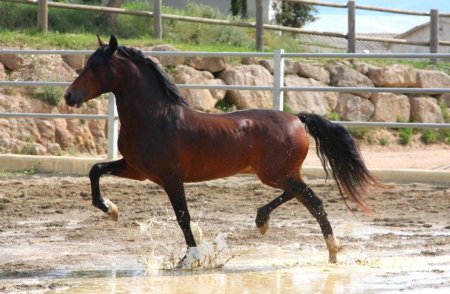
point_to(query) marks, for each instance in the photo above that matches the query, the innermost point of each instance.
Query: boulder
(445, 99)
(426, 109)
(314, 72)
(394, 75)
(354, 108)
(168, 60)
(290, 67)
(212, 64)
(201, 99)
(11, 61)
(432, 79)
(390, 107)
(344, 76)
(315, 102)
(250, 75)
(45, 68)
(2, 72)
(363, 67)
(76, 62)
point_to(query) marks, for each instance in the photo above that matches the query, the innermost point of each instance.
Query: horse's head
(97, 76)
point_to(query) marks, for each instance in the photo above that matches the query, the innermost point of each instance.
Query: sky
(335, 19)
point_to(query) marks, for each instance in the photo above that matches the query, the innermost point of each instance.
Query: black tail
(339, 155)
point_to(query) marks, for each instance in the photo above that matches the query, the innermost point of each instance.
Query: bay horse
(164, 140)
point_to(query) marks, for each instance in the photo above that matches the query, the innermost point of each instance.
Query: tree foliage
(239, 8)
(295, 15)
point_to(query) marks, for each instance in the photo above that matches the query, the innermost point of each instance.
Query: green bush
(384, 141)
(48, 94)
(358, 132)
(429, 136)
(406, 135)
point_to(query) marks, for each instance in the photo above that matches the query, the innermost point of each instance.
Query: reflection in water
(270, 270)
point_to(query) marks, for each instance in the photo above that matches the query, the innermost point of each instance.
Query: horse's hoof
(113, 211)
(264, 228)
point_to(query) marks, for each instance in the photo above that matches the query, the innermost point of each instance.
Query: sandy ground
(48, 227)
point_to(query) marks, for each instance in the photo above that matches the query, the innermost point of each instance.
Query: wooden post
(157, 19)
(434, 33)
(259, 25)
(113, 127)
(278, 79)
(43, 15)
(351, 40)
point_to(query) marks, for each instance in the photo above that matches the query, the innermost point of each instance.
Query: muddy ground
(47, 224)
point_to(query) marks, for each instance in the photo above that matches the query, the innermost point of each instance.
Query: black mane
(165, 80)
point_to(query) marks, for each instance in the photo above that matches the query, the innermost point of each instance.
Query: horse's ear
(100, 42)
(112, 47)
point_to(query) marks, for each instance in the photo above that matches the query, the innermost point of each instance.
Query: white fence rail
(277, 88)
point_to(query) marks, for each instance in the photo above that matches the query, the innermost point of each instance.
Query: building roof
(319, 43)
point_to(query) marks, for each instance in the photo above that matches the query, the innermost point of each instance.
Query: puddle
(264, 270)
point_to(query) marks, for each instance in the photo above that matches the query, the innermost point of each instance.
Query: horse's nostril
(67, 96)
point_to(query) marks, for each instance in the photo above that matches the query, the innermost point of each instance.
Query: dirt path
(48, 226)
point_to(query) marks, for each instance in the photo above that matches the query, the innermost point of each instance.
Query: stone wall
(60, 136)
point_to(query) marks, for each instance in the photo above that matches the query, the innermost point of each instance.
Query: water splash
(207, 255)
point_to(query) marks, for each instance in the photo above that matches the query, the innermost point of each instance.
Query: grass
(405, 135)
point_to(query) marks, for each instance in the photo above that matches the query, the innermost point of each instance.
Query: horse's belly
(215, 170)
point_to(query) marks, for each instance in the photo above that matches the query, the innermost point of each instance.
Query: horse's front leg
(117, 168)
(175, 191)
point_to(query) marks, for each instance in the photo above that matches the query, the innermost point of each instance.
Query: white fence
(277, 88)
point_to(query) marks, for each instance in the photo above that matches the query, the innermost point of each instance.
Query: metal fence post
(43, 15)
(278, 79)
(157, 19)
(351, 40)
(113, 126)
(259, 11)
(434, 33)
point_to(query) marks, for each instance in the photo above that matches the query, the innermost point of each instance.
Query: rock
(314, 72)
(354, 108)
(290, 67)
(315, 102)
(201, 99)
(268, 64)
(394, 75)
(168, 60)
(45, 68)
(426, 109)
(363, 67)
(432, 79)
(54, 149)
(76, 62)
(249, 60)
(250, 75)
(211, 64)
(344, 76)
(445, 99)
(46, 130)
(2, 72)
(11, 61)
(390, 107)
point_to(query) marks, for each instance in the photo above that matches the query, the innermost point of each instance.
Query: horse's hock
(56, 137)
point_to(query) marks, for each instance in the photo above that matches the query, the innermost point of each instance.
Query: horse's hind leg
(306, 196)
(117, 168)
(263, 213)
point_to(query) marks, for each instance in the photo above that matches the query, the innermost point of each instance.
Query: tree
(239, 7)
(295, 15)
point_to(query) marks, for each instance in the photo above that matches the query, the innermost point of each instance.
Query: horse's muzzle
(73, 98)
